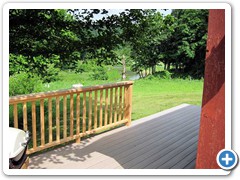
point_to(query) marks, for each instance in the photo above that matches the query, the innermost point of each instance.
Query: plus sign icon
(227, 159)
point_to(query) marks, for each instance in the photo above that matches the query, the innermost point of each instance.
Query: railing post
(128, 104)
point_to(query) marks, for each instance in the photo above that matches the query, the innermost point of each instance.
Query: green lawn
(152, 96)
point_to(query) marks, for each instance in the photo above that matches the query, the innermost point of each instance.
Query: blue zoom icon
(227, 159)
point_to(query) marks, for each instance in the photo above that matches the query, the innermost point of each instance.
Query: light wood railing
(57, 117)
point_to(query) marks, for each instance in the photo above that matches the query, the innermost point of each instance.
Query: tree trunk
(124, 67)
(165, 65)
(168, 65)
(153, 69)
(141, 74)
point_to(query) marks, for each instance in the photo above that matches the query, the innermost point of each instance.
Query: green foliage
(45, 67)
(178, 39)
(51, 73)
(163, 74)
(39, 37)
(41, 32)
(18, 63)
(113, 74)
(99, 73)
(159, 75)
(23, 83)
(81, 66)
(124, 50)
(150, 77)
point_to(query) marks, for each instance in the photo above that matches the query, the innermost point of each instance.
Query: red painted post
(212, 125)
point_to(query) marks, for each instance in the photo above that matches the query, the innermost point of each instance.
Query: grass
(152, 96)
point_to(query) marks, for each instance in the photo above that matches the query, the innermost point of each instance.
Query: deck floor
(161, 141)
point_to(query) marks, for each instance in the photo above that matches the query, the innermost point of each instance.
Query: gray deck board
(190, 165)
(127, 151)
(186, 157)
(164, 140)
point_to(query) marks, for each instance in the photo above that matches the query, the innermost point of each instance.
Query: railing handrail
(42, 95)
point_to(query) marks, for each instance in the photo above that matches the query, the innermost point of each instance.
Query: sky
(117, 11)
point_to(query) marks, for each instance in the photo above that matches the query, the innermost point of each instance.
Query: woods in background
(43, 42)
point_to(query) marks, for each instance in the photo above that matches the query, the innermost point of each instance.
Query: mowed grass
(152, 96)
(67, 79)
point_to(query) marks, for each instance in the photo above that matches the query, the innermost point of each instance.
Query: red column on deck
(212, 124)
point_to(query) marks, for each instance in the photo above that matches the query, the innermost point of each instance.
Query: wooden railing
(57, 117)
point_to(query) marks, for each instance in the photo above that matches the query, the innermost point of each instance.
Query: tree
(142, 37)
(191, 28)
(41, 37)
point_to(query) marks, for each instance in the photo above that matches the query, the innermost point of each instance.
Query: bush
(159, 75)
(18, 63)
(113, 74)
(150, 77)
(163, 74)
(99, 73)
(51, 73)
(43, 66)
(24, 83)
(84, 67)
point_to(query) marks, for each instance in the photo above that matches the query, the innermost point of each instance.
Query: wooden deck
(161, 141)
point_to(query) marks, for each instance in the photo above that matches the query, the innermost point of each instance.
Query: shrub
(24, 83)
(163, 74)
(99, 73)
(150, 77)
(84, 67)
(18, 63)
(43, 66)
(113, 74)
(51, 73)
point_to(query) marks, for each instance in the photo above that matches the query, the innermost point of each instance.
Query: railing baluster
(120, 105)
(64, 117)
(78, 118)
(128, 103)
(42, 122)
(106, 108)
(111, 106)
(101, 111)
(15, 115)
(34, 133)
(84, 112)
(71, 115)
(115, 105)
(50, 119)
(95, 109)
(25, 127)
(90, 111)
(57, 119)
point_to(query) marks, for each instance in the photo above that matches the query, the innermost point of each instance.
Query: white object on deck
(16, 147)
